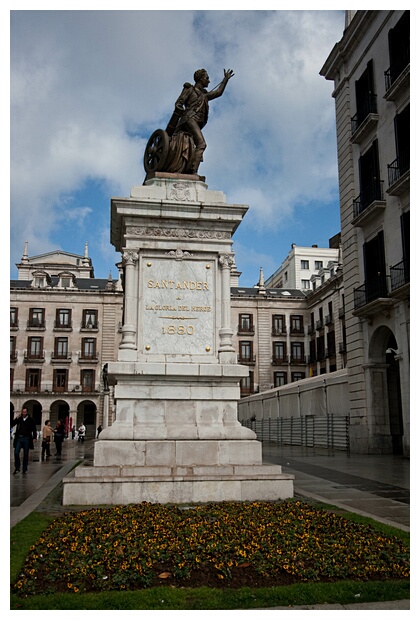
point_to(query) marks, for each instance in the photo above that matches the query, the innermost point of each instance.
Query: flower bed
(227, 544)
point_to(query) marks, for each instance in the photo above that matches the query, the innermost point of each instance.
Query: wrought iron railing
(370, 194)
(398, 167)
(395, 70)
(369, 291)
(400, 275)
(364, 109)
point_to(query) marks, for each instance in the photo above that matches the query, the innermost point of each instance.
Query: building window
(280, 378)
(297, 376)
(88, 348)
(331, 344)
(33, 380)
(318, 265)
(36, 317)
(247, 385)
(312, 351)
(304, 264)
(365, 97)
(245, 324)
(320, 348)
(87, 380)
(90, 319)
(60, 380)
(399, 49)
(13, 317)
(305, 284)
(246, 352)
(296, 324)
(63, 318)
(279, 352)
(61, 347)
(278, 324)
(298, 352)
(12, 348)
(370, 183)
(35, 347)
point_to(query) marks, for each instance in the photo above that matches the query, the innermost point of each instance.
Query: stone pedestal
(176, 437)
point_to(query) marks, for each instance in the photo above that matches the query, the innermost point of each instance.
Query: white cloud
(89, 87)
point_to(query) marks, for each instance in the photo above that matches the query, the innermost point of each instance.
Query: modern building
(304, 267)
(370, 68)
(285, 335)
(64, 327)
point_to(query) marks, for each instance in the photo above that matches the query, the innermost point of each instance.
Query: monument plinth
(176, 436)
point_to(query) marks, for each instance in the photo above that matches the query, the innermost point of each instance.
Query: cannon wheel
(156, 151)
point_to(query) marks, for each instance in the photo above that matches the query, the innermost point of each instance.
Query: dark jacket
(27, 428)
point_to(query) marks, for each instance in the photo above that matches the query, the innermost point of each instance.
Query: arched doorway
(86, 413)
(35, 411)
(60, 410)
(383, 354)
(394, 396)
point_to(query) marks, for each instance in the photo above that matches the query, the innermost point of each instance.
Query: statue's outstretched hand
(228, 74)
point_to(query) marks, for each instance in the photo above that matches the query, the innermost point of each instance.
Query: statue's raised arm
(180, 147)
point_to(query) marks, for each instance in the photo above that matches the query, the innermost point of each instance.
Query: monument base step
(88, 486)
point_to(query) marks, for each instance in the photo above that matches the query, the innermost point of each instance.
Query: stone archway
(60, 410)
(385, 382)
(34, 408)
(86, 413)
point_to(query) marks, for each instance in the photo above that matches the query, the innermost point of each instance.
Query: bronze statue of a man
(192, 110)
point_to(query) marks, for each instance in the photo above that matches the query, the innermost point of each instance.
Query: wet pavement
(376, 486)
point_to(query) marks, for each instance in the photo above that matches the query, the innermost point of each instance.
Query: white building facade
(65, 325)
(370, 68)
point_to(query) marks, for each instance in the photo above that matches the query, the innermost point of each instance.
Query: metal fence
(329, 431)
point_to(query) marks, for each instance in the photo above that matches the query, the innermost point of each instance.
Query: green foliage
(126, 547)
(345, 592)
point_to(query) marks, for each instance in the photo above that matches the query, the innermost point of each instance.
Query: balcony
(246, 330)
(88, 359)
(279, 361)
(341, 313)
(342, 348)
(14, 325)
(368, 204)
(397, 77)
(400, 280)
(320, 324)
(372, 297)
(278, 331)
(35, 324)
(13, 356)
(66, 327)
(91, 327)
(61, 358)
(33, 358)
(364, 122)
(311, 329)
(328, 319)
(297, 331)
(399, 175)
(298, 359)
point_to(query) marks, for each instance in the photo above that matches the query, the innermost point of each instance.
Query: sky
(89, 87)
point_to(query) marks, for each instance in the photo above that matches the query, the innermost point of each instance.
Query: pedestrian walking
(25, 436)
(82, 432)
(47, 437)
(59, 437)
(99, 430)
